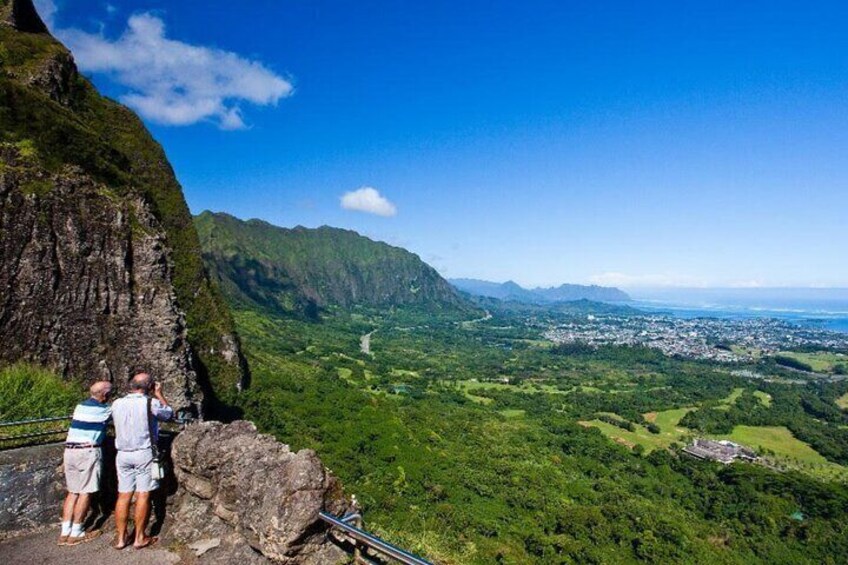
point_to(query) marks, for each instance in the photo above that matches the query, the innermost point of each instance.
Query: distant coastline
(819, 308)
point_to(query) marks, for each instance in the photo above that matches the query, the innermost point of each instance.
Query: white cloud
(171, 82)
(650, 280)
(369, 200)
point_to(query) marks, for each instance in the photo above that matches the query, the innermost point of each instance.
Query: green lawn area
(666, 420)
(513, 413)
(776, 438)
(820, 361)
(726, 403)
(532, 388)
(640, 437)
(403, 373)
(765, 398)
(754, 352)
(842, 401)
(789, 451)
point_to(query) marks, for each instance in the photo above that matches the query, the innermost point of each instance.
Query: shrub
(28, 391)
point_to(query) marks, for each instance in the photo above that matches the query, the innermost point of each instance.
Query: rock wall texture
(30, 488)
(251, 498)
(85, 282)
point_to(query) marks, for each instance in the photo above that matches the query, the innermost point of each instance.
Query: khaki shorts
(134, 473)
(82, 469)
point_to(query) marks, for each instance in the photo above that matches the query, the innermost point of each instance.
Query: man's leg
(81, 507)
(142, 516)
(67, 517)
(122, 513)
(68, 507)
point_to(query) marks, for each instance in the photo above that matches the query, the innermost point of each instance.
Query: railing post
(357, 521)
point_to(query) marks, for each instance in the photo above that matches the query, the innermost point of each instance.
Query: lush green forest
(472, 441)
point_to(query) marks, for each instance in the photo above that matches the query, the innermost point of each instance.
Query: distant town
(724, 340)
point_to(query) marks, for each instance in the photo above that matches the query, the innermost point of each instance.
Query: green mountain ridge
(299, 270)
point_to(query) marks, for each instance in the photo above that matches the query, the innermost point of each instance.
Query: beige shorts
(134, 472)
(82, 469)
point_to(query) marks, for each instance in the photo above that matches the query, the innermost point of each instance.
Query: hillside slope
(100, 267)
(298, 271)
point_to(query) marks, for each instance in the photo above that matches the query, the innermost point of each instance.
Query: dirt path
(365, 343)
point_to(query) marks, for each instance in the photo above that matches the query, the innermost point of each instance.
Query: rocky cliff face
(87, 285)
(100, 266)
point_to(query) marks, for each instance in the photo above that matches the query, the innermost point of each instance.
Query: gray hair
(141, 381)
(100, 387)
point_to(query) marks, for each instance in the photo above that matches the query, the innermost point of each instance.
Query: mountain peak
(22, 15)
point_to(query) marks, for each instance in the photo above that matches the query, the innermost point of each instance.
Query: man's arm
(163, 411)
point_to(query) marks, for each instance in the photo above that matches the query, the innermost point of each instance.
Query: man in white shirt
(135, 416)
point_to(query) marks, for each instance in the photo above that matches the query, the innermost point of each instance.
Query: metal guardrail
(34, 421)
(23, 437)
(371, 541)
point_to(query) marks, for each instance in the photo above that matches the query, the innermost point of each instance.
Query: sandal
(85, 538)
(118, 545)
(151, 541)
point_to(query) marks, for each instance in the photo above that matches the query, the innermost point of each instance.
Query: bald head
(100, 390)
(141, 382)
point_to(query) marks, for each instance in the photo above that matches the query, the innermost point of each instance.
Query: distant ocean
(823, 308)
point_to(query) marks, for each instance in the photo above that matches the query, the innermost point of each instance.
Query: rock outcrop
(22, 15)
(237, 496)
(100, 265)
(246, 497)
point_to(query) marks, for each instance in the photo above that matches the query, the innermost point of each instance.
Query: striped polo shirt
(89, 422)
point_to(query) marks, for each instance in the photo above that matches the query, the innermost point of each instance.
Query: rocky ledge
(239, 497)
(245, 497)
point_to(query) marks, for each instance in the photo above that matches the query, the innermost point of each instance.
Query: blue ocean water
(823, 308)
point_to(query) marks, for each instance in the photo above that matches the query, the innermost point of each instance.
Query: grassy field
(820, 361)
(765, 398)
(666, 420)
(842, 401)
(731, 399)
(754, 352)
(787, 451)
(777, 439)
(783, 451)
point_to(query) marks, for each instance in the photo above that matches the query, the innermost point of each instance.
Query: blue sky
(626, 143)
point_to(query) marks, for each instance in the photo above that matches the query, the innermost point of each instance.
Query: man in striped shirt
(83, 462)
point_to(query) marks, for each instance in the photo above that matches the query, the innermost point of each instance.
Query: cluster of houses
(723, 451)
(698, 338)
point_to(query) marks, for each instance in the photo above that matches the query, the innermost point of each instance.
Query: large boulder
(241, 490)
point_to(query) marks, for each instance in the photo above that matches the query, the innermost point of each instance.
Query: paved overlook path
(40, 548)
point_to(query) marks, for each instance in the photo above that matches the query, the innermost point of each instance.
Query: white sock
(76, 531)
(66, 528)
